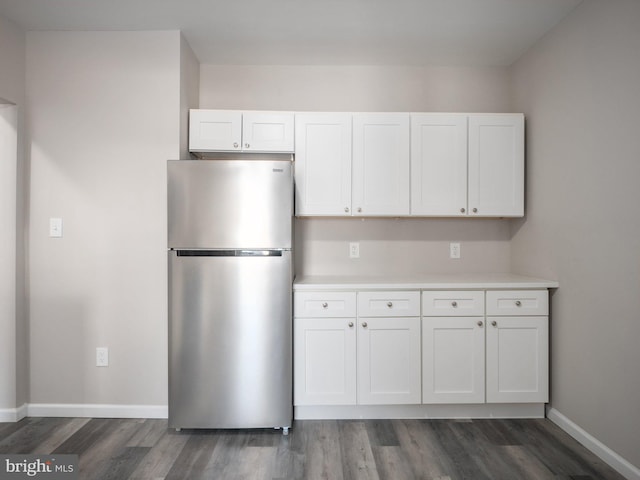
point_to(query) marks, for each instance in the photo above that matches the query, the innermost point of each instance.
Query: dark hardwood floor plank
(139, 449)
(392, 463)
(559, 452)
(110, 444)
(122, 465)
(8, 428)
(460, 455)
(289, 458)
(485, 455)
(357, 457)
(51, 442)
(158, 461)
(86, 436)
(27, 438)
(322, 452)
(381, 433)
(528, 466)
(418, 442)
(149, 433)
(194, 456)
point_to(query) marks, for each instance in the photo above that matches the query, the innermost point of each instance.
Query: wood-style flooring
(122, 449)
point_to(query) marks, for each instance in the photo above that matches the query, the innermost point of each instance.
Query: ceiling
(317, 32)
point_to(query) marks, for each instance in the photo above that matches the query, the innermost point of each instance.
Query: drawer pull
(325, 305)
(454, 304)
(479, 323)
(364, 324)
(518, 303)
(494, 323)
(350, 324)
(389, 304)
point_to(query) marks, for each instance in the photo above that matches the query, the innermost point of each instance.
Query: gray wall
(388, 246)
(13, 317)
(104, 110)
(580, 90)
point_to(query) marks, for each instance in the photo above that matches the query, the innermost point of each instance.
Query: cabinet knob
(246, 145)
(346, 209)
(479, 323)
(325, 305)
(475, 210)
(235, 144)
(454, 304)
(350, 324)
(494, 323)
(462, 210)
(389, 304)
(518, 303)
(364, 324)
(359, 209)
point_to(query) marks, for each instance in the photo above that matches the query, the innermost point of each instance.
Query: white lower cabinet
(517, 360)
(453, 360)
(453, 346)
(517, 346)
(368, 349)
(324, 361)
(388, 361)
(498, 358)
(372, 360)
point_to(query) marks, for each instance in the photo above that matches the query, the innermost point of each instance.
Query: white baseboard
(622, 466)
(13, 414)
(96, 410)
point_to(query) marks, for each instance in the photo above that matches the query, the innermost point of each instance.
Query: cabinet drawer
(324, 304)
(389, 304)
(456, 303)
(518, 302)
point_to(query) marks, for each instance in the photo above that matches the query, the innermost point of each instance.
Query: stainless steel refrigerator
(230, 300)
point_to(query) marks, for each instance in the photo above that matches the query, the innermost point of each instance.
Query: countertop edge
(428, 282)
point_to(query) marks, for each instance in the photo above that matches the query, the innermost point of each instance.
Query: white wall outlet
(354, 250)
(454, 250)
(55, 227)
(102, 357)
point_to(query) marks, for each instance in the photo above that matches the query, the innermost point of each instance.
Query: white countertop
(436, 281)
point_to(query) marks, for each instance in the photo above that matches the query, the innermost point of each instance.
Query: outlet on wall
(354, 250)
(454, 250)
(102, 357)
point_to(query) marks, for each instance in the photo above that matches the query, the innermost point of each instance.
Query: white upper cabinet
(214, 130)
(467, 165)
(438, 164)
(323, 164)
(381, 172)
(496, 165)
(236, 131)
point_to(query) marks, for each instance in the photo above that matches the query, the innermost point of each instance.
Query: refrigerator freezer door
(230, 347)
(230, 204)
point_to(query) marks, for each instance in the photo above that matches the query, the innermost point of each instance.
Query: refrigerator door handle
(229, 253)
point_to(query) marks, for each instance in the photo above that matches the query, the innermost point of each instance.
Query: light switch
(55, 227)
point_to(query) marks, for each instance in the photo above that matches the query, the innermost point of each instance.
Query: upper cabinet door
(496, 165)
(323, 164)
(215, 130)
(380, 164)
(438, 164)
(267, 131)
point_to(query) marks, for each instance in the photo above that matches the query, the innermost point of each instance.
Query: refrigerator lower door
(230, 346)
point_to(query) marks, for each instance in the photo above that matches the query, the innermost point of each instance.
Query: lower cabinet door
(517, 359)
(389, 361)
(453, 360)
(324, 361)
